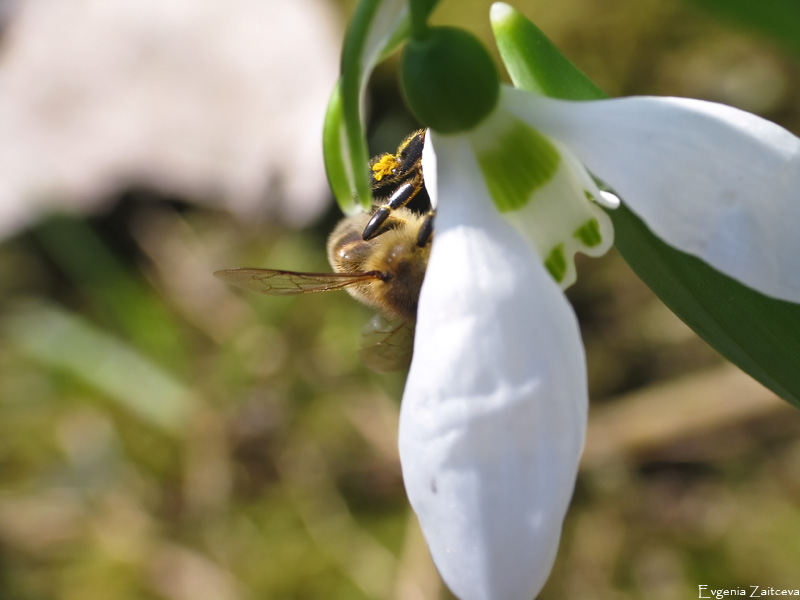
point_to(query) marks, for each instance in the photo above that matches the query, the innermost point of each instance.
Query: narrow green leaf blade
(335, 152)
(353, 77)
(376, 29)
(534, 63)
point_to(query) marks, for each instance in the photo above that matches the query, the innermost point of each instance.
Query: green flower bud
(449, 80)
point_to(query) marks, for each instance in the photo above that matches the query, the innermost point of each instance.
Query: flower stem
(420, 9)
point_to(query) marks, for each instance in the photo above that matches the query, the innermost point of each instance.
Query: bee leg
(409, 155)
(426, 230)
(378, 219)
(400, 197)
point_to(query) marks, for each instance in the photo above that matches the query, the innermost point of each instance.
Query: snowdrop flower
(494, 411)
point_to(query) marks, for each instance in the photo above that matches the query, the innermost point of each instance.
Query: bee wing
(386, 344)
(283, 283)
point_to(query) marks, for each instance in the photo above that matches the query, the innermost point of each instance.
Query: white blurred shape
(218, 100)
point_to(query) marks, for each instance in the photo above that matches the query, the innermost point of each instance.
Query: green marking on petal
(589, 233)
(556, 263)
(521, 161)
(560, 219)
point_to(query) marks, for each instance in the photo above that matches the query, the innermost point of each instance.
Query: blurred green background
(165, 437)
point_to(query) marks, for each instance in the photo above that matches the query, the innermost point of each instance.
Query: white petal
(494, 412)
(711, 180)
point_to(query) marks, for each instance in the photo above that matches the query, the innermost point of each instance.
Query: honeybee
(379, 257)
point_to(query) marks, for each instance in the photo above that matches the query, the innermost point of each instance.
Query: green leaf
(760, 335)
(375, 30)
(335, 153)
(355, 142)
(778, 19)
(534, 63)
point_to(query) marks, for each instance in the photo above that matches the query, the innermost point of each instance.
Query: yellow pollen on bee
(384, 166)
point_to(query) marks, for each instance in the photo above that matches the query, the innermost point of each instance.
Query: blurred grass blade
(61, 340)
(778, 19)
(760, 335)
(118, 297)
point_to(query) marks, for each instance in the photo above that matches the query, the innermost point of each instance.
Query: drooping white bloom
(194, 99)
(494, 412)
